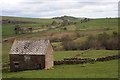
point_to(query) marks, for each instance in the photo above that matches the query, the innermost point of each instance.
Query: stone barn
(31, 54)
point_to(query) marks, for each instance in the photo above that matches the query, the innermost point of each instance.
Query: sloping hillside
(83, 39)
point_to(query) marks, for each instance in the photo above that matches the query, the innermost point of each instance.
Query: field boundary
(81, 60)
(85, 60)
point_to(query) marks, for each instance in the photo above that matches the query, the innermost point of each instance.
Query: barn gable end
(49, 57)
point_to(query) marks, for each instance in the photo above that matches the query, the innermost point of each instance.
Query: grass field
(98, 24)
(94, 24)
(107, 69)
(60, 55)
(8, 29)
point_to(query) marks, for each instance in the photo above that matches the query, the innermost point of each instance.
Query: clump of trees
(68, 43)
(101, 41)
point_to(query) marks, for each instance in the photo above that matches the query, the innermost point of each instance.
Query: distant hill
(71, 18)
(24, 20)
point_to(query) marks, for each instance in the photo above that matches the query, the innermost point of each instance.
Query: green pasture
(108, 69)
(8, 30)
(60, 55)
(98, 24)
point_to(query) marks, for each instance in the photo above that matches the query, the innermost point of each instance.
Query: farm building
(31, 54)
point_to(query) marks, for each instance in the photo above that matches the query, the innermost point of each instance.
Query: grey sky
(53, 8)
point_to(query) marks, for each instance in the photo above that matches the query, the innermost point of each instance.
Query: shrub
(112, 44)
(102, 41)
(68, 43)
(66, 38)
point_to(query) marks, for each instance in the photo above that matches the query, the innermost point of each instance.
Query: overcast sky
(53, 8)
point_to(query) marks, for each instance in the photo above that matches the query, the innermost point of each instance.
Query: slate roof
(35, 47)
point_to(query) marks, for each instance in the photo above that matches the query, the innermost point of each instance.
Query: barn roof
(35, 47)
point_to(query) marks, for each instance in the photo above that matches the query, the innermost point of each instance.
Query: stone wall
(85, 60)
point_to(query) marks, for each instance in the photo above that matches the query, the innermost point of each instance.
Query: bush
(112, 44)
(102, 41)
(66, 38)
(68, 43)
